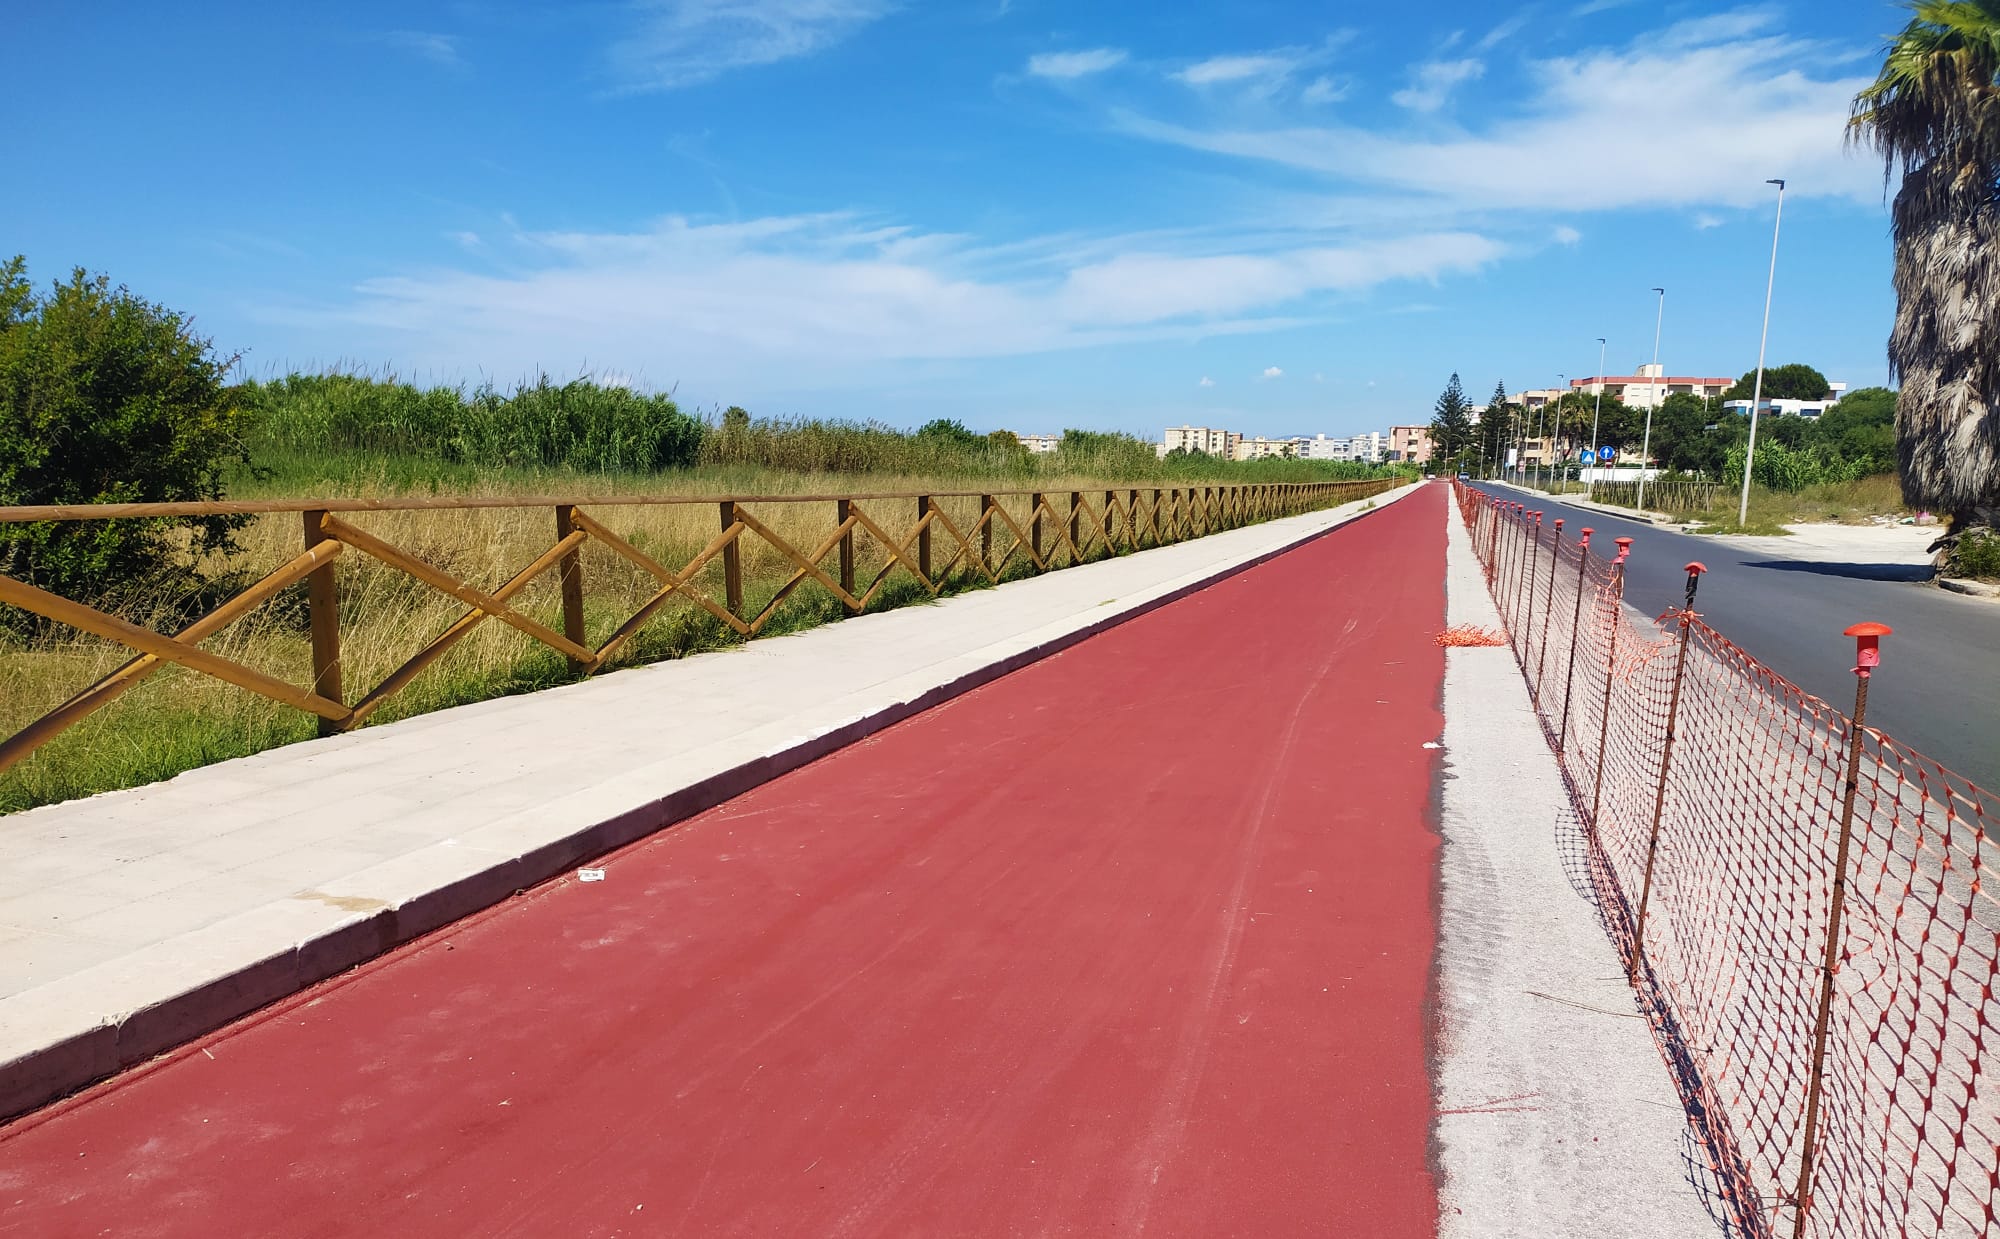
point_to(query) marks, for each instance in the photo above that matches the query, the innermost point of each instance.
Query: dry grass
(177, 719)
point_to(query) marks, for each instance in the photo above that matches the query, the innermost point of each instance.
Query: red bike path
(1137, 939)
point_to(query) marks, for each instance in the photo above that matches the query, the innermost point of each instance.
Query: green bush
(1978, 554)
(577, 425)
(108, 398)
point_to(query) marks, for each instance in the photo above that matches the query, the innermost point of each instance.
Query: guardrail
(939, 538)
(1805, 907)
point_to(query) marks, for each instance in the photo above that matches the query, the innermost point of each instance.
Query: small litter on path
(1470, 635)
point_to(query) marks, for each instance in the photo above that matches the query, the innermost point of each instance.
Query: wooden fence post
(732, 562)
(1076, 525)
(923, 536)
(1035, 523)
(323, 612)
(570, 568)
(986, 519)
(842, 509)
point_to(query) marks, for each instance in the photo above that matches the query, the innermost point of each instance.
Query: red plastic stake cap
(1867, 644)
(1696, 568)
(1586, 535)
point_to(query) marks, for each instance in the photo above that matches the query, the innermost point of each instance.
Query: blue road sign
(1605, 455)
(1584, 456)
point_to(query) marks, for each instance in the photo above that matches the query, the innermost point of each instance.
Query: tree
(1451, 423)
(108, 398)
(1495, 431)
(1862, 429)
(1682, 440)
(1934, 113)
(1796, 381)
(945, 430)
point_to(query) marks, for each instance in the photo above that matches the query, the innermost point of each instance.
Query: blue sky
(1279, 217)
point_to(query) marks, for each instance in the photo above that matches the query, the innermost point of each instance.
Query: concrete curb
(206, 978)
(1973, 589)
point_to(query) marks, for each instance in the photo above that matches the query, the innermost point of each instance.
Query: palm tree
(1934, 113)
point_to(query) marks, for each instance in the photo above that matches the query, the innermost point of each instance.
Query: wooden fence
(1660, 496)
(993, 536)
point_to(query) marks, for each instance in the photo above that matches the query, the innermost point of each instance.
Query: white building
(1787, 406)
(1366, 448)
(1650, 388)
(1319, 447)
(1040, 443)
(1213, 442)
(1261, 448)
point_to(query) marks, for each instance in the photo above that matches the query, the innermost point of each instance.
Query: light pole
(1545, 421)
(1757, 392)
(1600, 403)
(1658, 398)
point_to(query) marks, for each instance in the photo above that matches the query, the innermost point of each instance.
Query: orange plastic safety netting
(1713, 797)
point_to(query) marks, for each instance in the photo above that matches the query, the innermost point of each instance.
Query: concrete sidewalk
(1556, 1114)
(132, 921)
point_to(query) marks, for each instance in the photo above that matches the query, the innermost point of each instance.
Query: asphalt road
(1939, 687)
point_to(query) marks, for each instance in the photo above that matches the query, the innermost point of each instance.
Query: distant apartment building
(1368, 448)
(1318, 447)
(1261, 448)
(1650, 388)
(1040, 443)
(1221, 443)
(1410, 444)
(1786, 406)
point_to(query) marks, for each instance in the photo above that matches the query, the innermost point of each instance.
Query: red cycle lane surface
(1135, 940)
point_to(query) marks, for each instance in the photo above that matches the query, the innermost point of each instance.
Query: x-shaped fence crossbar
(1048, 537)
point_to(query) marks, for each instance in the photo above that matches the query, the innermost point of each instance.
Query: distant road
(1939, 687)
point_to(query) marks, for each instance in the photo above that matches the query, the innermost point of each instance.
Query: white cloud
(1319, 378)
(686, 42)
(1703, 221)
(1221, 69)
(1431, 83)
(1323, 90)
(437, 48)
(827, 292)
(1503, 32)
(1272, 372)
(1696, 115)
(1566, 235)
(1205, 382)
(1075, 64)
(466, 240)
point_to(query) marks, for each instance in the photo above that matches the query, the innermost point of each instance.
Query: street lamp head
(1661, 291)
(1778, 181)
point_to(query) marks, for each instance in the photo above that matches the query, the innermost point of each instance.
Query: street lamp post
(1757, 392)
(1658, 398)
(1600, 402)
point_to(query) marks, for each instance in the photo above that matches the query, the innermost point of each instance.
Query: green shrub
(108, 398)
(1978, 554)
(576, 425)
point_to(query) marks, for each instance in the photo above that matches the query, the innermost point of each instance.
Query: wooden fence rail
(986, 545)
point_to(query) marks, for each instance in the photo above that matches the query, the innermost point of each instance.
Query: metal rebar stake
(1610, 671)
(1575, 630)
(1867, 657)
(1687, 618)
